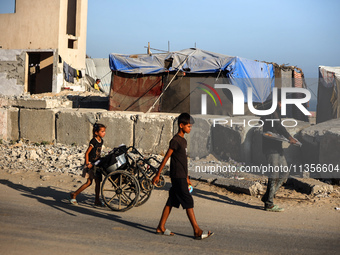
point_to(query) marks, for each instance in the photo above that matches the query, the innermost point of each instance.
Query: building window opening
(71, 17)
(72, 44)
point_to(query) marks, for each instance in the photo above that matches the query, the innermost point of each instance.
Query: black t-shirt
(96, 149)
(268, 144)
(179, 161)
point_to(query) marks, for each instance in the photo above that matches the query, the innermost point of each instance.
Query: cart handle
(134, 150)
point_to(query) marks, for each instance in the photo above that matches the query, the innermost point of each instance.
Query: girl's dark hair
(185, 119)
(97, 127)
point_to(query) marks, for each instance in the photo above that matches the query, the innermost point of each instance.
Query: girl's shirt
(96, 149)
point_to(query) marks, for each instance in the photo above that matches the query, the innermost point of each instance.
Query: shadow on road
(58, 200)
(216, 197)
(223, 199)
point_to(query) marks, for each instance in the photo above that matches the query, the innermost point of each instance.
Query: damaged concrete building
(43, 46)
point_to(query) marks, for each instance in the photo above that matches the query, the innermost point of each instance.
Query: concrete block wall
(330, 151)
(234, 139)
(151, 133)
(228, 139)
(41, 120)
(13, 124)
(119, 128)
(293, 153)
(74, 126)
(3, 124)
(9, 123)
(37, 125)
(41, 103)
(199, 139)
(312, 137)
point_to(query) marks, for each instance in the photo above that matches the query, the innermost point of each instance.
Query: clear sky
(305, 33)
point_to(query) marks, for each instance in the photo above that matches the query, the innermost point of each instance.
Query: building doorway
(40, 72)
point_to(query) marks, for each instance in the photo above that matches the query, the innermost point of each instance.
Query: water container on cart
(114, 160)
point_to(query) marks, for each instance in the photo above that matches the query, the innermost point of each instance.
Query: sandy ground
(286, 196)
(33, 206)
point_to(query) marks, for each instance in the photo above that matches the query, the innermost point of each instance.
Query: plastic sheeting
(242, 72)
(328, 106)
(259, 76)
(99, 68)
(143, 64)
(198, 61)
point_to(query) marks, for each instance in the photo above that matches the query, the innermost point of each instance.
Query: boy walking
(179, 193)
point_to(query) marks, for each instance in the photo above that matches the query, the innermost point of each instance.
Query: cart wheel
(120, 190)
(161, 182)
(145, 190)
(144, 182)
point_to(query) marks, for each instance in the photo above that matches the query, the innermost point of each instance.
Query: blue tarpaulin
(143, 64)
(243, 73)
(188, 60)
(259, 76)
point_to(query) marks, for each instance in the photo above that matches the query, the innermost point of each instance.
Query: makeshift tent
(98, 68)
(328, 106)
(164, 82)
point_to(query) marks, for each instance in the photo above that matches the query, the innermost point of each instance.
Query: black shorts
(179, 194)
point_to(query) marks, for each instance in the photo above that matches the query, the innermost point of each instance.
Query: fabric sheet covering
(328, 106)
(259, 76)
(193, 60)
(242, 72)
(99, 68)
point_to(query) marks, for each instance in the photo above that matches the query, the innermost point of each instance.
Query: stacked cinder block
(9, 120)
(53, 120)
(153, 131)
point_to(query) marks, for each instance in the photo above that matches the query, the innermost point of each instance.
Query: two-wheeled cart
(128, 176)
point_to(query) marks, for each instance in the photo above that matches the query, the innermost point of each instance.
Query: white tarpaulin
(98, 68)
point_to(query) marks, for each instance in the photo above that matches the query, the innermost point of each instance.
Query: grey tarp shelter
(328, 106)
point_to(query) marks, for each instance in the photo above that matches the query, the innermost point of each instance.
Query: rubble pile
(27, 156)
(24, 155)
(42, 157)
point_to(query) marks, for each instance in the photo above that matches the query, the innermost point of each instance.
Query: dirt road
(35, 218)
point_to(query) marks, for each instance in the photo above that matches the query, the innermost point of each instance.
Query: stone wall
(50, 120)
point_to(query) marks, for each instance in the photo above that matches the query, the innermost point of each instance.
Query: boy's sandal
(73, 201)
(205, 234)
(167, 232)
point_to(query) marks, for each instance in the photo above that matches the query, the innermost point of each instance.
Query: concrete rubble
(310, 186)
(42, 157)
